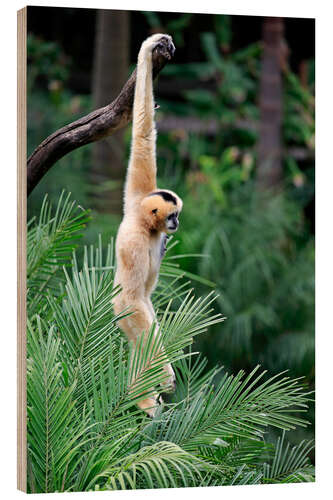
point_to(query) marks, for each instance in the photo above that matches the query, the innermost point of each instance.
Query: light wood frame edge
(21, 248)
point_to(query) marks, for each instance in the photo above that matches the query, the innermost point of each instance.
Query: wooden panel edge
(21, 248)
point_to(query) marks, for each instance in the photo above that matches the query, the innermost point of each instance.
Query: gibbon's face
(162, 209)
(172, 222)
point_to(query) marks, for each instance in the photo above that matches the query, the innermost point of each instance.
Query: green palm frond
(162, 465)
(117, 387)
(85, 321)
(192, 377)
(175, 289)
(232, 453)
(290, 464)
(192, 317)
(88, 329)
(239, 406)
(101, 453)
(50, 243)
(111, 386)
(224, 476)
(244, 476)
(84, 379)
(112, 411)
(171, 269)
(56, 433)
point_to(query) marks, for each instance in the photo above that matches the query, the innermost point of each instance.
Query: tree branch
(90, 128)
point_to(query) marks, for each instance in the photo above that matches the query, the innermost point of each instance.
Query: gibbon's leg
(133, 326)
(170, 382)
(133, 264)
(141, 173)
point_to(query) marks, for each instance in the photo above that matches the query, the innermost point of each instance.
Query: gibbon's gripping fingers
(150, 405)
(160, 42)
(166, 48)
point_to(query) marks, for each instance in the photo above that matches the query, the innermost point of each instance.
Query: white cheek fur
(171, 227)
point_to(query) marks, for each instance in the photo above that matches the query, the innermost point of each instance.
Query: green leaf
(50, 244)
(290, 464)
(238, 406)
(162, 465)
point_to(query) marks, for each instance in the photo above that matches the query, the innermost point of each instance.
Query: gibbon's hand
(162, 43)
(166, 47)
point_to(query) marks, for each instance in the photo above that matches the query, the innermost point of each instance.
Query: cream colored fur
(145, 223)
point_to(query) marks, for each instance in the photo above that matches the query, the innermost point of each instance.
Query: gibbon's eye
(154, 211)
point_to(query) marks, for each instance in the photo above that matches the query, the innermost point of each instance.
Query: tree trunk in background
(111, 64)
(269, 172)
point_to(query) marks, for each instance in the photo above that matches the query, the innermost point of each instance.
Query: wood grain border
(21, 247)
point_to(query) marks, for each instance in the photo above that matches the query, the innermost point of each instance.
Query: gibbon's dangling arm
(141, 175)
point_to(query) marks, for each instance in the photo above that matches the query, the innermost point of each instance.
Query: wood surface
(21, 248)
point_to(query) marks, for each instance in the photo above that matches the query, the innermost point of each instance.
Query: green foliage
(51, 105)
(175, 26)
(289, 465)
(164, 464)
(299, 111)
(230, 409)
(50, 243)
(46, 61)
(84, 429)
(227, 87)
(256, 250)
(56, 432)
(235, 78)
(265, 279)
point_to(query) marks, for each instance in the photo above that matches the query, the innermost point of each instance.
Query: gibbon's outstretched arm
(141, 174)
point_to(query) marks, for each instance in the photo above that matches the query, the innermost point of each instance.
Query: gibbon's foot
(169, 385)
(150, 405)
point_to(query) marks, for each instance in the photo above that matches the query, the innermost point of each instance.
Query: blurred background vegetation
(236, 142)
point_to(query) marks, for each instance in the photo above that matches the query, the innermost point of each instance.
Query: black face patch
(166, 196)
(173, 218)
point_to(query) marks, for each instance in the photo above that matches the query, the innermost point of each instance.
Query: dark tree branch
(92, 127)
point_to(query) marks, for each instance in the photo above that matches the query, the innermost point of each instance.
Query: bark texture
(270, 104)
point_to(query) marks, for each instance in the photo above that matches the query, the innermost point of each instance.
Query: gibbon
(149, 214)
